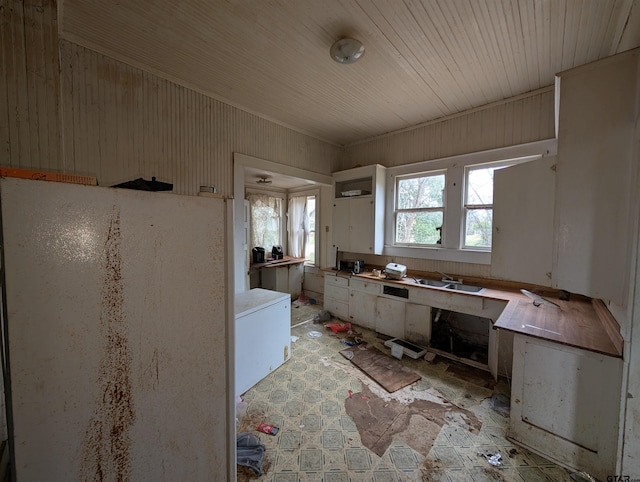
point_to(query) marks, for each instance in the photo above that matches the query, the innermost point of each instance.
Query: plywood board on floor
(388, 372)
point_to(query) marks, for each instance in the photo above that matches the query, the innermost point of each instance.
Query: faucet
(450, 279)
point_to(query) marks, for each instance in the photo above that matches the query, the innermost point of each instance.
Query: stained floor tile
(319, 441)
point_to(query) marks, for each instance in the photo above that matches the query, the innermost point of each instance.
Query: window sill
(442, 254)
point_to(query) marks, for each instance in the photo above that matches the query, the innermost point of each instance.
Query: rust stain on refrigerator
(107, 445)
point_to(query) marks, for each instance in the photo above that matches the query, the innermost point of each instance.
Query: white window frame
(469, 207)
(398, 210)
(452, 248)
(316, 194)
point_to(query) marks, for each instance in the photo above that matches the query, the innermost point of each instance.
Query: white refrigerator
(115, 324)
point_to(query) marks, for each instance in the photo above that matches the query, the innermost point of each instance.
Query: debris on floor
(338, 327)
(501, 404)
(493, 459)
(417, 424)
(250, 452)
(322, 316)
(267, 428)
(314, 334)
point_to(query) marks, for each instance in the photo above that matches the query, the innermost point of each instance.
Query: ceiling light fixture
(347, 50)
(264, 180)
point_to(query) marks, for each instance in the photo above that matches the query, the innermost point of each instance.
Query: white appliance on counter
(263, 335)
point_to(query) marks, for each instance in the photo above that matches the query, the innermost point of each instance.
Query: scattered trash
(348, 354)
(513, 452)
(501, 404)
(313, 301)
(429, 356)
(494, 459)
(348, 343)
(337, 327)
(322, 316)
(250, 452)
(241, 409)
(350, 393)
(268, 429)
(397, 351)
(582, 477)
(294, 338)
(303, 299)
(314, 334)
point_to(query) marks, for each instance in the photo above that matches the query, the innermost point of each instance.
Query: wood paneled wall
(29, 85)
(514, 121)
(121, 123)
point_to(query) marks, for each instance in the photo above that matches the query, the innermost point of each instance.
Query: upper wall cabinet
(523, 205)
(595, 172)
(358, 210)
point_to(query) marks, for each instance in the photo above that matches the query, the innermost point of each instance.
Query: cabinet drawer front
(336, 280)
(337, 293)
(366, 286)
(337, 308)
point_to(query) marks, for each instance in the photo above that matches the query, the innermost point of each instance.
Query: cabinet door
(594, 177)
(361, 222)
(523, 203)
(296, 275)
(417, 328)
(362, 308)
(341, 225)
(390, 316)
(565, 403)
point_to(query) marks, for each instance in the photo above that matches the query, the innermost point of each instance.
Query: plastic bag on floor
(250, 452)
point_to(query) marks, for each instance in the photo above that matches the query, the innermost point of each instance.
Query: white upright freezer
(263, 335)
(115, 319)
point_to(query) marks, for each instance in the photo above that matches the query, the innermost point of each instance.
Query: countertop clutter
(580, 321)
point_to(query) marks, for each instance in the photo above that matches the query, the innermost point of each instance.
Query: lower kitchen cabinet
(390, 316)
(285, 279)
(565, 404)
(362, 302)
(336, 296)
(417, 326)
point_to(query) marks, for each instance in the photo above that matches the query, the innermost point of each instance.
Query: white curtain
(298, 226)
(265, 220)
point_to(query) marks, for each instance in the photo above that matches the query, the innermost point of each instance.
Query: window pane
(421, 192)
(418, 228)
(478, 230)
(480, 186)
(310, 251)
(265, 221)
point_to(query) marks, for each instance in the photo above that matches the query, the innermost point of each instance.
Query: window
(442, 209)
(419, 211)
(266, 220)
(310, 252)
(302, 226)
(478, 207)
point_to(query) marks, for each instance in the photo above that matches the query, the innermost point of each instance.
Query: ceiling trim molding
(515, 98)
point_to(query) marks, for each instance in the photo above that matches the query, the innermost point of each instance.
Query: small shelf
(354, 188)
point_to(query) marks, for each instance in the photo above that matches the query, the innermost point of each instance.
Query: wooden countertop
(580, 322)
(286, 261)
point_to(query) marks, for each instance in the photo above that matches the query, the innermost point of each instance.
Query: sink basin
(467, 288)
(431, 282)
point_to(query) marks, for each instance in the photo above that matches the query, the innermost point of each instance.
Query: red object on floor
(336, 327)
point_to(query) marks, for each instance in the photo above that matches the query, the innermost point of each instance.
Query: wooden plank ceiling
(424, 59)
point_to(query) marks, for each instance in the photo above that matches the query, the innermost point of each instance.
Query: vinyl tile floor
(319, 441)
